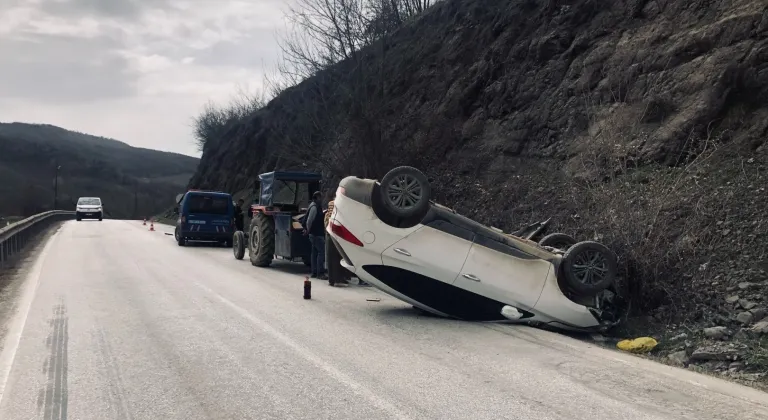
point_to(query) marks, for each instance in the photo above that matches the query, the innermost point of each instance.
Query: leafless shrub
(337, 50)
(654, 216)
(213, 122)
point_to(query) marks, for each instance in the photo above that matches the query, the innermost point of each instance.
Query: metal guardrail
(15, 237)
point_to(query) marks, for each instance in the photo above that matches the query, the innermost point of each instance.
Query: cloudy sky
(134, 70)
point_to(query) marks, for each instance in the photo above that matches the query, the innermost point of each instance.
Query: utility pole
(56, 186)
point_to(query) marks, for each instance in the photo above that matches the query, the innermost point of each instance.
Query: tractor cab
(285, 192)
(279, 207)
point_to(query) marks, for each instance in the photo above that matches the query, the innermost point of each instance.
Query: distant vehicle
(276, 216)
(89, 208)
(390, 234)
(205, 216)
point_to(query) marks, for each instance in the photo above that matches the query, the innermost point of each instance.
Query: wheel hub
(404, 192)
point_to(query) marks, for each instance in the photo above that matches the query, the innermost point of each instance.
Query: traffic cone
(145, 221)
(152, 226)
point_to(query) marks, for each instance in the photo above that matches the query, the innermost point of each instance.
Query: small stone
(679, 337)
(752, 376)
(747, 304)
(716, 333)
(759, 313)
(740, 335)
(745, 285)
(679, 358)
(760, 328)
(735, 366)
(744, 317)
(732, 299)
(720, 351)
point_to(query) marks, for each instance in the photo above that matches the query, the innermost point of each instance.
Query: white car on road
(89, 208)
(392, 236)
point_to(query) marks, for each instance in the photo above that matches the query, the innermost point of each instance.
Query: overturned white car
(392, 236)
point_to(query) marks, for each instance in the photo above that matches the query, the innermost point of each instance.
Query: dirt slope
(641, 124)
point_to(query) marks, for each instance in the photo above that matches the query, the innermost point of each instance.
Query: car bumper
(207, 236)
(89, 215)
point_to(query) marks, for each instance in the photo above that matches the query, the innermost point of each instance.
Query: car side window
(451, 229)
(501, 247)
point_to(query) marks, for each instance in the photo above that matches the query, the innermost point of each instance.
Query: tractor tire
(238, 244)
(261, 241)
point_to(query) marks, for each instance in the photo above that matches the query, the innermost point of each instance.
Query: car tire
(558, 240)
(588, 268)
(405, 193)
(261, 245)
(238, 244)
(179, 239)
(307, 261)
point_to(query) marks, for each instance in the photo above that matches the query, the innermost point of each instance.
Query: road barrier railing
(13, 238)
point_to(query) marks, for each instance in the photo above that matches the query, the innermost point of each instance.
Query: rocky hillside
(638, 123)
(132, 182)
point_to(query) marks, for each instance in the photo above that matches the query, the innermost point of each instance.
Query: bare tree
(337, 50)
(214, 121)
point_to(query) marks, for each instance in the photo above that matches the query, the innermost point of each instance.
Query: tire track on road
(54, 397)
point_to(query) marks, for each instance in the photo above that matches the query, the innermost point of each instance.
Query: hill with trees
(133, 182)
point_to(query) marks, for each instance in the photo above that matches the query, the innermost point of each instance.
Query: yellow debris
(638, 345)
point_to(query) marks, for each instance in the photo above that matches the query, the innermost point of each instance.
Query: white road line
(19, 319)
(307, 354)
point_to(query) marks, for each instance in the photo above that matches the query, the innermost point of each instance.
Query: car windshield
(208, 204)
(291, 193)
(89, 201)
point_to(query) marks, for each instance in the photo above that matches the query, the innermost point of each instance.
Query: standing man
(239, 217)
(316, 231)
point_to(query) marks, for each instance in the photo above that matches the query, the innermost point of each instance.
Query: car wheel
(589, 268)
(558, 240)
(238, 244)
(179, 239)
(261, 244)
(405, 192)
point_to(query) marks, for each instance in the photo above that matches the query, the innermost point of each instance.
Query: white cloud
(134, 70)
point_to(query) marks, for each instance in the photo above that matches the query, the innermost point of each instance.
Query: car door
(436, 251)
(503, 273)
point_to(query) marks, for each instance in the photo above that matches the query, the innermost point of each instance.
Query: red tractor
(277, 214)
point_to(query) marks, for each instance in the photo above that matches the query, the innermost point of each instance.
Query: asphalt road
(116, 322)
